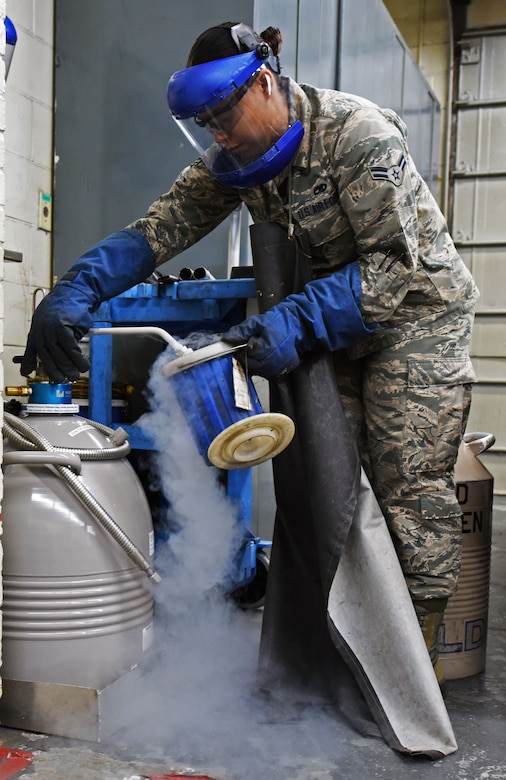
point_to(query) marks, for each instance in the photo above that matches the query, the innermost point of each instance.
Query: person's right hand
(64, 316)
(60, 320)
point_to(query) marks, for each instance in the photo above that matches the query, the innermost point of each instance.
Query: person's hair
(217, 42)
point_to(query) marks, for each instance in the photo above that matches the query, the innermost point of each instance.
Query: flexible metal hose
(25, 437)
(19, 432)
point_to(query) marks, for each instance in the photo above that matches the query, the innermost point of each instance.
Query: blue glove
(64, 315)
(326, 313)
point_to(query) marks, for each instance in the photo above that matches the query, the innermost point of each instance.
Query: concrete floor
(222, 743)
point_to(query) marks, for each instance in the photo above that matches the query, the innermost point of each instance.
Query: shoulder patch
(394, 174)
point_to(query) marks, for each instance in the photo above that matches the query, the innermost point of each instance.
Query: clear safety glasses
(224, 117)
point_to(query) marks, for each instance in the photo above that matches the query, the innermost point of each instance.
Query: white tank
(77, 609)
(462, 650)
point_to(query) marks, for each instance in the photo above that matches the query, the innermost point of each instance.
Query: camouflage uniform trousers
(410, 403)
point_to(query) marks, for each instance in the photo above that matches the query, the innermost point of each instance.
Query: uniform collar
(300, 108)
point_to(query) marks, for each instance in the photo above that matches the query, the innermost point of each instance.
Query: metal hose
(25, 437)
(21, 433)
(143, 330)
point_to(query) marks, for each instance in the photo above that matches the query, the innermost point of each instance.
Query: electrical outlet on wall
(45, 211)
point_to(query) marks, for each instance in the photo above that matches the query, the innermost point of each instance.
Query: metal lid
(251, 441)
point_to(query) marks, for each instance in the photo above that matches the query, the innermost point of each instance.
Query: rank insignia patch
(394, 174)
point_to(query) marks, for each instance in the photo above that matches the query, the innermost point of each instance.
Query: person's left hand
(327, 312)
(271, 340)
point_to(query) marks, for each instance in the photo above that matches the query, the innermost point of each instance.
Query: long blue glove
(64, 315)
(327, 313)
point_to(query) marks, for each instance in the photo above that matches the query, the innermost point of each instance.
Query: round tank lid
(251, 441)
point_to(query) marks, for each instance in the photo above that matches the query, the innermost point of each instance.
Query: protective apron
(339, 624)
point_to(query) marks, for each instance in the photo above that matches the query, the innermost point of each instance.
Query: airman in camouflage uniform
(354, 187)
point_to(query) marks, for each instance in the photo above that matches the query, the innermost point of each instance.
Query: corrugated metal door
(479, 225)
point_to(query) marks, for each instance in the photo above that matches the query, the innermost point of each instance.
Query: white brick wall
(2, 223)
(28, 169)
(26, 110)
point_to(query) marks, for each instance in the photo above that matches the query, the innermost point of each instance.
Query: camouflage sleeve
(195, 204)
(378, 190)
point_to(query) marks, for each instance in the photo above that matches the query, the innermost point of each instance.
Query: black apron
(318, 616)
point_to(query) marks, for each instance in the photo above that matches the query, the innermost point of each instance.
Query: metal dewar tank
(77, 605)
(222, 409)
(462, 650)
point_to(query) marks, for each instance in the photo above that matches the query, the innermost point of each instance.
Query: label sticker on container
(80, 429)
(242, 395)
(147, 637)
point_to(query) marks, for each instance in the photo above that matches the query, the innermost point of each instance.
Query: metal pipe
(477, 243)
(110, 525)
(490, 382)
(477, 174)
(234, 239)
(186, 274)
(144, 330)
(202, 273)
(490, 103)
(42, 290)
(445, 195)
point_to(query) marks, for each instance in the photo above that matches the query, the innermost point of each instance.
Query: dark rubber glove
(64, 315)
(326, 313)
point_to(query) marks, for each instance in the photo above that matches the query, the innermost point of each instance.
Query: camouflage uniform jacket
(354, 187)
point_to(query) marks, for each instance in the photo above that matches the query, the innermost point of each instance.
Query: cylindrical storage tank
(77, 610)
(462, 651)
(222, 409)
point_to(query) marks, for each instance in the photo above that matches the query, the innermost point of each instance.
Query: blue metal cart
(180, 308)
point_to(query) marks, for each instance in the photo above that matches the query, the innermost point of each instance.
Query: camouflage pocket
(437, 403)
(429, 541)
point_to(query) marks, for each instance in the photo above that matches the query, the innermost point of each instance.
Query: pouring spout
(145, 330)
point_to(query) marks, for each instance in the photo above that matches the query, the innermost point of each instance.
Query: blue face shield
(206, 102)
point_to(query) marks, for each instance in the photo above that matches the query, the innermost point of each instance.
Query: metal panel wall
(375, 61)
(354, 45)
(309, 30)
(117, 146)
(479, 226)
